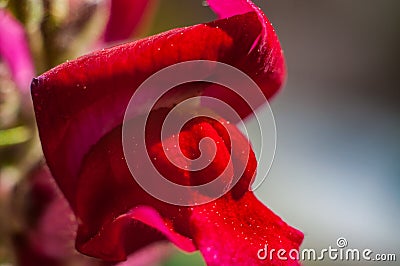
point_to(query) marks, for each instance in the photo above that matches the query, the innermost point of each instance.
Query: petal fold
(246, 226)
(112, 204)
(264, 63)
(78, 102)
(79, 109)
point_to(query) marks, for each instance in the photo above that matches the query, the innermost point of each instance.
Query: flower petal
(265, 62)
(125, 16)
(110, 227)
(245, 225)
(79, 108)
(15, 51)
(111, 202)
(80, 101)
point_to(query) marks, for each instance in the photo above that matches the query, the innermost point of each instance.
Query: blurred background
(336, 171)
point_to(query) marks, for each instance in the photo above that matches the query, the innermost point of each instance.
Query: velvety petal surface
(114, 230)
(112, 206)
(231, 232)
(79, 109)
(80, 101)
(14, 50)
(264, 62)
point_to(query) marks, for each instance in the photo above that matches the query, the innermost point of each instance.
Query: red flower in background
(14, 50)
(124, 19)
(79, 109)
(126, 16)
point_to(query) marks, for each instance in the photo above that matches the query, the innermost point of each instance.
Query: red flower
(49, 228)
(14, 50)
(80, 106)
